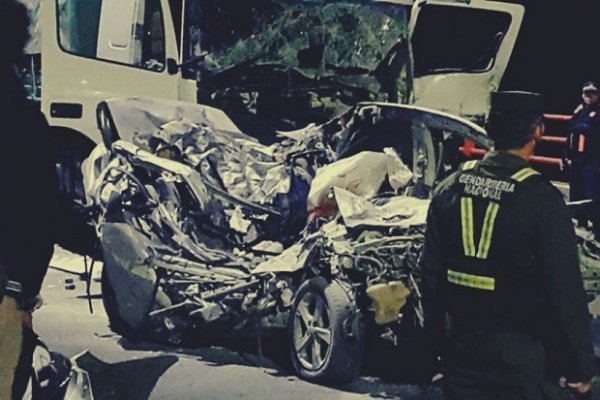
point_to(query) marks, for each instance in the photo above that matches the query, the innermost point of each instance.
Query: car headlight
(346, 262)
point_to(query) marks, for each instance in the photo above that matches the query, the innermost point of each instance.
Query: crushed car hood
(252, 193)
(219, 221)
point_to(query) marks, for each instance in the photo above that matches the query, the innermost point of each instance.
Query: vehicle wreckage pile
(219, 213)
(205, 231)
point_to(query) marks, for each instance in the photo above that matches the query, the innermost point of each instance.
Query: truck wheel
(109, 300)
(326, 333)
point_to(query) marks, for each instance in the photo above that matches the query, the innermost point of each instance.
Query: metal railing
(470, 151)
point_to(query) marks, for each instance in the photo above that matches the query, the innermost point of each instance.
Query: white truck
(451, 57)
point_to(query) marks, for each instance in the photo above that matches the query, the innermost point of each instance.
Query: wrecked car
(206, 232)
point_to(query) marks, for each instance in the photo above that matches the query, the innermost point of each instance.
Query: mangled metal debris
(361, 174)
(388, 299)
(399, 211)
(206, 231)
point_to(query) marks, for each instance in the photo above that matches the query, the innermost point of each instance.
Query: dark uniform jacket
(30, 192)
(501, 255)
(583, 143)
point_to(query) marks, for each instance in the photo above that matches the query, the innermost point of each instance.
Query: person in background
(502, 289)
(28, 204)
(583, 156)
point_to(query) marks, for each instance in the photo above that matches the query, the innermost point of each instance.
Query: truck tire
(326, 333)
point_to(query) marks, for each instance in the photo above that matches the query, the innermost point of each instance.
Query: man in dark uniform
(583, 155)
(502, 287)
(28, 204)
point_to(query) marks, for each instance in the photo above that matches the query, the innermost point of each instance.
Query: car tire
(109, 300)
(326, 332)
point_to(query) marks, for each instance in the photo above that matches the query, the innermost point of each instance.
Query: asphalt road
(120, 369)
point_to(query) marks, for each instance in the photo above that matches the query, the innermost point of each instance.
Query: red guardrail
(477, 153)
(557, 117)
(554, 139)
(469, 149)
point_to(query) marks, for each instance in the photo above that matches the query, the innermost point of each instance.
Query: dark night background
(557, 50)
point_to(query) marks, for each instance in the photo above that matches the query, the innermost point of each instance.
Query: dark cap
(517, 103)
(590, 86)
(513, 116)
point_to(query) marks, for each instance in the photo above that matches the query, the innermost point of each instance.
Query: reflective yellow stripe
(469, 165)
(488, 229)
(523, 174)
(466, 215)
(471, 281)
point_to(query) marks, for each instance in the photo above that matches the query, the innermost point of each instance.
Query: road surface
(121, 369)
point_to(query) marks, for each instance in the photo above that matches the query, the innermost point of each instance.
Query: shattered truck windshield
(311, 37)
(304, 61)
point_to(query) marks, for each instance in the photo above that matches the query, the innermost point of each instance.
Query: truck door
(98, 49)
(460, 50)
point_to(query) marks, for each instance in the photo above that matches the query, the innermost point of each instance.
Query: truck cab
(459, 53)
(447, 55)
(97, 49)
